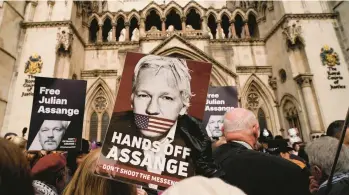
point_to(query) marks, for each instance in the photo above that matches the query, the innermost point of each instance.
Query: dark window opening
(262, 120)
(133, 25)
(212, 25)
(239, 24)
(106, 28)
(283, 76)
(174, 19)
(120, 24)
(93, 31)
(93, 127)
(253, 26)
(105, 123)
(225, 25)
(193, 19)
(153, 19)
(74, 77)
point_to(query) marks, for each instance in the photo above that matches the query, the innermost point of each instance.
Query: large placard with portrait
(161, 101)
(219, 100)
(57, 114)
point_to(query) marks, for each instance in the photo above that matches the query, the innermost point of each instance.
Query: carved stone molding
(304, 80)
(46, 24)
(292, 30)
(307, 16)
(65, 39)
(272, 82)
(254, 69)
(97, 73)
(316, 135)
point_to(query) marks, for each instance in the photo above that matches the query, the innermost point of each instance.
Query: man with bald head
(252, 171)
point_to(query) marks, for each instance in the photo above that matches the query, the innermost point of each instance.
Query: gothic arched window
(99, 117)
(105, 123)
(93, 126)
(262, 120)
(292, 118)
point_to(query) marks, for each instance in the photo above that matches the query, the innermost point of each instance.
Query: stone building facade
(284, 57)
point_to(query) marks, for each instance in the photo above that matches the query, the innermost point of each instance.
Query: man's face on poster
(215, 124)
(156, 94)
(50, 134)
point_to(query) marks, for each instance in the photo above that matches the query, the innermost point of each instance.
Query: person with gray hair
(161, 92)
(244, 166)
(321, 153)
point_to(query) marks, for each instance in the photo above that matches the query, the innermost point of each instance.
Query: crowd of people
(250, 161)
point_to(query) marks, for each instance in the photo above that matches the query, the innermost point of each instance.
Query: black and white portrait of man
(49, 135)
(214, 126)
(160, 98)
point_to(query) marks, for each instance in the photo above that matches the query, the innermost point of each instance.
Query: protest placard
(160, 99)
(219, 100)
(57, 114)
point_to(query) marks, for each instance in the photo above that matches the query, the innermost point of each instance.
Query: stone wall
(333, 103)
(11, 14)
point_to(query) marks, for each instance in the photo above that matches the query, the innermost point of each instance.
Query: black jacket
(188, 131)
(257, 173)
(340, 185)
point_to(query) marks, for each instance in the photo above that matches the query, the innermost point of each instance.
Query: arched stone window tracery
(99, 118)
(292, 117)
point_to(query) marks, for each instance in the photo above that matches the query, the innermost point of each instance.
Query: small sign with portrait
(155, 121)
(57, 114)
(219, 100)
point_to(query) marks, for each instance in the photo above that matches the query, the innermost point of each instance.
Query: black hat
(279, 145)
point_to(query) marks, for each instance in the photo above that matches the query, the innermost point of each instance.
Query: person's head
(10, 135)
(199, 185)
(15, 170)
(241, 125)
(85, 182)
(321, 153)
(161, 88)
(296, 146)
(214, 125)
(335, 130)
(20, 142)
(51, 169)
(51, 133)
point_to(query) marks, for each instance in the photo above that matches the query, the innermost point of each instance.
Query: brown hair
(85, 182)
(14, 170)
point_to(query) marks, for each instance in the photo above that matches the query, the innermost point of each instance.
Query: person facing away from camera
(15, 178)
(85, 182)
(50, 174)
(321, 153)
(243, 165)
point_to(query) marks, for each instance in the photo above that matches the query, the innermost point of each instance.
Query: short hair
(334, 128)
(240, 123)
(321, 152)
(177, 66)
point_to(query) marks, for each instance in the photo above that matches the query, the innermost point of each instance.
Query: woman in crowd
(15, 176)
(86, 183)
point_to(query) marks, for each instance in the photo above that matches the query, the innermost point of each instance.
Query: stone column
(163, 25)
(183, 19)
(100, 6)
(247, 31)
(127, 27)
(99, 37)
(50, 4)
(30, 10)
(142, 27)
(232, 29)
(219, 30)
(204, 25)
(114, 31)
(305, 83)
